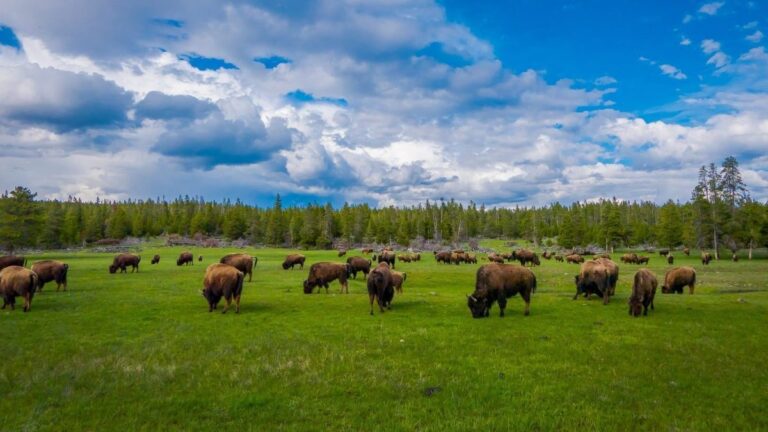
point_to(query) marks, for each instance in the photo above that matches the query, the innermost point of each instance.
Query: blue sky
(384, 102)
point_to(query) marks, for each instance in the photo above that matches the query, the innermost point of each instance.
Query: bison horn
(473, 298)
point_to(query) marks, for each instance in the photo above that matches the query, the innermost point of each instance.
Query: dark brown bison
(663, 252)
(559, 258)
(358, 264)
(11, 260)
(613, 273)
(122, 262)
(687, 251)
(50, 270)
(470, 258)
(416, 257)
(642, 260)
(292, 260)
(547, 255)
(443, 257)
(366, 250)
(185, 258)
(594, 278)
(643, 291)
(493, 257)
(509, 256)
(387, 257)
(404, 258)
(706, 257)
(323, 273)
(380, 287)
(629, 258)
(670, 259)
(524, 256)
(243, 262)
(496, 283)
(17, 281)
(200, 258)
(342, 253)
(574, 258)
(735, 258)
(155, 259)
(677, 278)
(397, 280)
(223, 280)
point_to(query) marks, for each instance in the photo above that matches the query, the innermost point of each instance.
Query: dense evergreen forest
(720, 214)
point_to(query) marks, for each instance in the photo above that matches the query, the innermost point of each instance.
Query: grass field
(141, 352)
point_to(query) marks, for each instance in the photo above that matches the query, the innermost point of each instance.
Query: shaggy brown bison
(443, 257)
(629, 258)
(11, 260)
(380, 287)
(613, 273)
(323, 273)
(122, 262)
(17, 281)
(223, 280)
(387, 257)
(642, 260)
(292, 260)
(559, 258)
(155, 259)
(185, 258)
(670, 259)
(524, 256)
(243, 262)
(677, 278)
(342, 253)
(493, 257)
(358, 264)
(706, 257)
(200, 258)
(687, 251)
(547, 255)
(663, 252)
(643, 291)
(574, 258)
(405, 258)
(594, 278)
(366, 250)
(50, 270)
(397, 280)
(496, 283)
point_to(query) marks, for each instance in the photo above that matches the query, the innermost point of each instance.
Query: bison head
(112, 269)
(308, 287)
(478, 306)
(286, 265)
(635, 307)
(665, 289)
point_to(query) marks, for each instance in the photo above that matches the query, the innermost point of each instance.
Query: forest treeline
(720, 214)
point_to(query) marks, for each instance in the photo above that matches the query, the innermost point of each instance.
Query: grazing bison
(594, 278)
(322, 273)
(677, 278)
(122, 262)
(416, 257)
(294, 259)
(50, 270)
(643, 291)
(493, 257)
(223, 280)
(380, 287)
(470, 258)
(387, 257)
(10, 260)
(342, 253)
(358, 264)
(185, 258)
(155, 259)
(547, 255)
(664, 252)
(559, 258)
(706, 257)
(687, 251)
(613, 273)
(243, 262)
(524, 256)
(404, 258)
(670, 259)
(17, 281)
(366, 250)
(397, 280)
(443, 257)
(200, 258)
(629, 258)
(642, 260)
(496, 283)
(574, 258)
(509, 256)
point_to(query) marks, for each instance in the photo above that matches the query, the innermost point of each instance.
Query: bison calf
(643, 292)
(16, 281)
(292, 260)
(223, 280)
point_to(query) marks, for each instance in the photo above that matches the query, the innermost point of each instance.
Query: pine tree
(51, 235)
(669, 228)
(20, 219)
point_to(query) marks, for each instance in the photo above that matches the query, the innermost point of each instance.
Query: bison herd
(495, 282)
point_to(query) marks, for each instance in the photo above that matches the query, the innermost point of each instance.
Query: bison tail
(405, 275)
(64, 273)
(533, 287)
(239, 284)
(33, 281)
(255, 261)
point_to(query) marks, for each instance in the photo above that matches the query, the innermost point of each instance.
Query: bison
(50, 270)
(524, 256)
(342, 253)
(366, 250)
(559, 258)
(642, 260)
(122, 261)
(17, 281)
(687, 251)
(629, 258)
(493, 257)
(322, 273)
(443, 257)
(200, 258)
(735, 258)
(594, 278)
(388, 257)
(677, 278)
(11, 260)
(185, 258)
(670, 259)
(380, 287)
(496, 283)
(243, 262)
(706, 257)
(358, 264)
(663, 252)
(643, 291)
(613, 273)
(574, 258)
(155, 259)
(294, 259)
(397, 280)
(223, 280)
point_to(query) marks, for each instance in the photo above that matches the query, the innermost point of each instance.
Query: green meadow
(141, 352)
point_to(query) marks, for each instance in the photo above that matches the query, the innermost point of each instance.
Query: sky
(385, 102)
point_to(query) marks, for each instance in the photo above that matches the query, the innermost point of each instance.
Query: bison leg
(690, 288)
(27, 302)
(250, 275)
(502, 305)
(237, 304)
(575, 296)
(370, 299)
(229, 302)
(526, 295)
